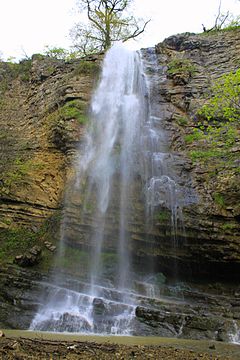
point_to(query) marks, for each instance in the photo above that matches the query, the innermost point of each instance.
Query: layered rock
(210, 243)
(38, 135)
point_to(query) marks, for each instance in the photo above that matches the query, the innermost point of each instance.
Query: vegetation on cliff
(218, 119)
(216, 133)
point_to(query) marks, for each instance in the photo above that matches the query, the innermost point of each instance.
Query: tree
(107, 24)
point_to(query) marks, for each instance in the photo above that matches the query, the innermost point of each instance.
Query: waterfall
(123, 161)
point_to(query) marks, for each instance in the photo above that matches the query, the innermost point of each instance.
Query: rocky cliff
(43, 113)
(44, 109)
(192, 63)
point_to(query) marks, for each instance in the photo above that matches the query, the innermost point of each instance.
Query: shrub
(87, 68)
(224, 104)
(181, 66)
(182, 120)
(233, 24)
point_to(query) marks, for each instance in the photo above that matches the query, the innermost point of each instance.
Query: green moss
(82, 119)
(181, 66)
(19, 169)
(228, 226)
(15, 241)
(7, 221)
(4, 84)
(24, 70)
(73, 259)
(195, 136)
(69, 112)
(74, 109)
(50, 70)
(89, 206)
(204, 154)
(162, 216)
(219, 199)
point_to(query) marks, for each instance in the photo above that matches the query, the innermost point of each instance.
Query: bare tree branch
(137, 32)
(219, 13)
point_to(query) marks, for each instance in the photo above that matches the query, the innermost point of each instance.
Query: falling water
(123, 147)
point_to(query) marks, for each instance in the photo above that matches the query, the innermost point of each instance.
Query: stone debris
(24, 348)
(31, 258)
(50, 246)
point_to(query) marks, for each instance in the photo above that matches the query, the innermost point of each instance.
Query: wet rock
(31, 258)
(198, 318)
(65, 322)
(162, 322)
(99, 307)
(50, 246)
(19, 296)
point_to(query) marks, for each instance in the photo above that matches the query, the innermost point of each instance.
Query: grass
(19, 169)
(203, 154)
(87, 68)
(195, 136)
(181, 66)
(74, 109)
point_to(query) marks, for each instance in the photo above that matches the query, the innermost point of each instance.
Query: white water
(234, 335)
(122, 144)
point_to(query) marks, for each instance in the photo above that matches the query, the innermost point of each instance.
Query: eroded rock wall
(212, 241)
(38, 137)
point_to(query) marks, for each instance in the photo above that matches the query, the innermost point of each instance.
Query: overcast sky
(27, 26)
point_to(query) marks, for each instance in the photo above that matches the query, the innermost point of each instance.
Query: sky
(28, 26)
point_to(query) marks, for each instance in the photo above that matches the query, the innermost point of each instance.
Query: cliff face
(43, 105)
(43, 115)
(212, 224)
